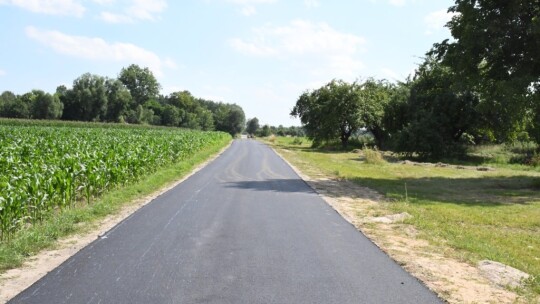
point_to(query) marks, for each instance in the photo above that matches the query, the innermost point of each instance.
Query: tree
(438, 112)
(205, 119)
(13, 106)
(495, 51)
(45, 105)
(140, 82)
(118, 100)
(265, 131)
(331, 112)
(170, 116)
(87, 100)
(252, 126)
(374, 98)
(230, 118)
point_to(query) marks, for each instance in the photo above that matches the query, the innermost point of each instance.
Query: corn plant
(46, 167)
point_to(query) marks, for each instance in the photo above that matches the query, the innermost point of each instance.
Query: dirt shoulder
(13, 281)
(451, 279)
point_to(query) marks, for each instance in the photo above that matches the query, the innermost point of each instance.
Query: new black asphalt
(245, 229)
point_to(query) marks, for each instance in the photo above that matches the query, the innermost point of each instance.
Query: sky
(259, 54)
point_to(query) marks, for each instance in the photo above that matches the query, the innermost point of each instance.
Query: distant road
(245, 229)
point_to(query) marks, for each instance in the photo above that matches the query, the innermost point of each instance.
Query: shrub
(297, 141)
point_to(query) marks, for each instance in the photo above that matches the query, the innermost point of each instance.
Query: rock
(389, 219)
(502, 275)
(442, 165)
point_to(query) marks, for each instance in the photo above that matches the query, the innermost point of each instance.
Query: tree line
(133, 97)
(481, 87)
(254, 128)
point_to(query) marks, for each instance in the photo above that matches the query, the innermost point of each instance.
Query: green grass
(491, 215)
(82, 216)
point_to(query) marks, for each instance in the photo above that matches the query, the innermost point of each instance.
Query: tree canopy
(140, 82)
(252, 125)
(340, 109)
(496, 52)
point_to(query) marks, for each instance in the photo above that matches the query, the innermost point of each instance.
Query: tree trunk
(345, 138)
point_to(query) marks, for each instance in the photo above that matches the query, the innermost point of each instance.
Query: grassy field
(57, 178)
(491, 214)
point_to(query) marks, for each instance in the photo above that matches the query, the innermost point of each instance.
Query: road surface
(245, 229)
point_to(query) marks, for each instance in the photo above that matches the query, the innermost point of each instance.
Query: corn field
(44, 167)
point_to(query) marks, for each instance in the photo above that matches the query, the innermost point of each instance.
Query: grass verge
(83, 217)
(481, 215)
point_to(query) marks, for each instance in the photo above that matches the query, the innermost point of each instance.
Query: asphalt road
(245, 229)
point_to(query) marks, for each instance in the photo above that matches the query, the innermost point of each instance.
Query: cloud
(436, 21)
(2, 73)
(244, 2)
(398, 2)
(248, 7)
(98, 49)
(104, 2)
(133, 10)
(312, 3)
(248, 10)
(316, 46)
(115, 18)
(49, 7)
(252, 48)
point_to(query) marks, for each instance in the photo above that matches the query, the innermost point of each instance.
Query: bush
(297, 141)
(522, 147)
(535, 160)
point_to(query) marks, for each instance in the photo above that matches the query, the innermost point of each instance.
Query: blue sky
(260, 54)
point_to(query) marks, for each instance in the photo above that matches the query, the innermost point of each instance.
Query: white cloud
(315, 46)
(134, 10)
(99, 50)
(115, 18)
(398, 2)
(312, 3)
(49, 7)
(248, 10)
(244, 2)
(2, 73)
(104, 2)
(248, 7)
(436, 21)
(252, 48)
